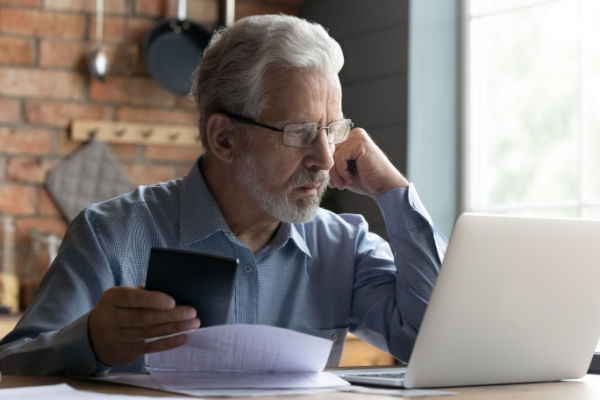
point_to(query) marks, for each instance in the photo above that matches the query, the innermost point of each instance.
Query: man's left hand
(362, 167)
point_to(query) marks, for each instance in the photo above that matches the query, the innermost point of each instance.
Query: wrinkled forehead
(302, 92)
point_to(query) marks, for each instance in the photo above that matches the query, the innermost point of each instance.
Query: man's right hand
(125, 316)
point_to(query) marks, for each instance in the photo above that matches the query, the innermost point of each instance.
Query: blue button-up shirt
(323, 277)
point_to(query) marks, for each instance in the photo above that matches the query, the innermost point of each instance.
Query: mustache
(306, 177)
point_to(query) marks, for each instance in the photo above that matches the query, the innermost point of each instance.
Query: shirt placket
(246, 294)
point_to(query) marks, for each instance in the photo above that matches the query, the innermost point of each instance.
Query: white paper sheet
(64, 392)
(184, 382)
(256, 348)
(146, 381)
(232, 357)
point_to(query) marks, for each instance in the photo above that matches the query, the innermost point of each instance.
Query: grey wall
(400, 84)
(374, 38)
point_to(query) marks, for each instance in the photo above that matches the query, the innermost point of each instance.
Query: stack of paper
(241, 359)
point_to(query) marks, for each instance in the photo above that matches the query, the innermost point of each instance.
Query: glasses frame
(251, 121)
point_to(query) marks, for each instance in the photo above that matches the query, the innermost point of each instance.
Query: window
(532, 106)
(534, 101)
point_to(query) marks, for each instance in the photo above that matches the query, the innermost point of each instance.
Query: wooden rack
(129, 132)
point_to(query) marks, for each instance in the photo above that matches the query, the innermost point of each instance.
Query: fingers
(344, 171)
(126, 316)
(135, 335)
(122, 355)
(362, 167)
(164, 344)
(128, 297)
(140, 317)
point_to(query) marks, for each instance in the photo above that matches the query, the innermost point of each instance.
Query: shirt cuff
(76, 342)
(403, 210)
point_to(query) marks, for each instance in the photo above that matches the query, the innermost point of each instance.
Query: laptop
(517, 300)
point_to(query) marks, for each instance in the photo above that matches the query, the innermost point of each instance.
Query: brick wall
(44, 84)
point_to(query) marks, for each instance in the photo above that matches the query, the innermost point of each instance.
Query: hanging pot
(174, 49)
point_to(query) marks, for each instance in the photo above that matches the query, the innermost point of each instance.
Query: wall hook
(147, 133)
(132, 132)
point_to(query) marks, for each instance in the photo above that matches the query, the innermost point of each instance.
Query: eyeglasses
(302, 134)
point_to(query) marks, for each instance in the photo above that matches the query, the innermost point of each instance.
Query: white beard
(282, 205)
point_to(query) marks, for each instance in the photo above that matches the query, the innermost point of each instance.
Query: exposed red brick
(41, 23)
(15, 51)
(60, 53)
(17, 199)
(138, 29)
(201, 11)
(122, 30)
(41, 83)
(9, 110)
(24, 141)
(110, 6)
(123, 59)
(157, 115)
(26, 3)
(186, 102)
(154, 8)
(124, 151)
(47, 207)
(66, 145)
(172, 153)
(205, 12)
(149, 174)
(62, 114)
(114, 29)
(29, 169)
(142, 91)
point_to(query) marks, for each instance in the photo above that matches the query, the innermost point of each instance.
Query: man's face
(288, 182)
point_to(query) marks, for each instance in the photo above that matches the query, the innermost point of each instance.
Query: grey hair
(232, 73)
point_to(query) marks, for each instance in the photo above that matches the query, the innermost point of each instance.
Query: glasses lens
(299, 135)
(338, 130)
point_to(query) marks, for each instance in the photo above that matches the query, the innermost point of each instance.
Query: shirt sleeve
(398, 291)
(52, 335)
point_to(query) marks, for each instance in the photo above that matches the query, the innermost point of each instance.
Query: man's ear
(219, 136)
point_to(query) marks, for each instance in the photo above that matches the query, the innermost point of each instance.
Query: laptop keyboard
(393, 375)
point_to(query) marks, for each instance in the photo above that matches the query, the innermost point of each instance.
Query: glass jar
(9, 282)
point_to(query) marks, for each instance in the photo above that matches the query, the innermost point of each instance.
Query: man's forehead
(281, 78)
(303, 92)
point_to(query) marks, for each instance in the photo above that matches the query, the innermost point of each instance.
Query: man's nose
(320, 152)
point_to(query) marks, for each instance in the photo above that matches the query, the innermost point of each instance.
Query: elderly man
(274, 134)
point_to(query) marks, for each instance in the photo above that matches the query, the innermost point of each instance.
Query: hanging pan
(173, 50)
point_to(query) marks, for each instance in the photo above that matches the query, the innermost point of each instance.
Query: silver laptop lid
(517, 300)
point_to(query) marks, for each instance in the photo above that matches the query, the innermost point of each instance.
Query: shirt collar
(200, 216)
(287, 232)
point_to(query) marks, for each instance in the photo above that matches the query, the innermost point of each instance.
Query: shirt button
(334, 337)
(248, 268)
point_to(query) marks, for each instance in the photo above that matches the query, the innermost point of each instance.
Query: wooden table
(587, 388)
